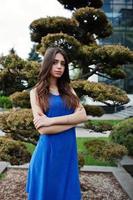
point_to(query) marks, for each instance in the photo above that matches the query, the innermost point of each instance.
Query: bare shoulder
(73, 91)
(33, 95)
(80, 106)
(34, 102)
(33, 91)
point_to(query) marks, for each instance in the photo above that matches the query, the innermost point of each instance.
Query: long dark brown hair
(63, 83)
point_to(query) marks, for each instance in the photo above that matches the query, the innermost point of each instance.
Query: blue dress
(53, 170)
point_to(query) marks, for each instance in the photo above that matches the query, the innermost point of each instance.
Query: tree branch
(25, 139)
(94, 71)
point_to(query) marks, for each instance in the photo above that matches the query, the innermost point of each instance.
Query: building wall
(120, 13)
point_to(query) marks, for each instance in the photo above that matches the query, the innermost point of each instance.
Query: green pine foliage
(19, 125)
(13, 151)
(106, 151)
(122, 133)
(20, 99)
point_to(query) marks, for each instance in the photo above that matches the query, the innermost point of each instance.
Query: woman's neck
(53, 89)
(53, 84)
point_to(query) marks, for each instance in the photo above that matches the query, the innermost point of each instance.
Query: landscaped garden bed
(94, 186)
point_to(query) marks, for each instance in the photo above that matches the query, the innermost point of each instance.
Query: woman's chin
(57, 75)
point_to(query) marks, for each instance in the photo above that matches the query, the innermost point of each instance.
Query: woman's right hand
(41, 120)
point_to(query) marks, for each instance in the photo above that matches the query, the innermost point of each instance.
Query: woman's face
(58, 66)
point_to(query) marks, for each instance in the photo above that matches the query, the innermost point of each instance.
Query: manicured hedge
(13, 151)
(106, 151)
(95, 111)
(19, 125)
(98, 127)
(20, 99)
(122, 133)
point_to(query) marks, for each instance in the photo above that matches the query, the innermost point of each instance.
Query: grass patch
(2, 176)
(89, 160)
(30, 147)
(101, 125)
(111, 122)
(80, 142)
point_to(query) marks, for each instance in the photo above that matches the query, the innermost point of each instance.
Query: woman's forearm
(54, 129)
(74, 118)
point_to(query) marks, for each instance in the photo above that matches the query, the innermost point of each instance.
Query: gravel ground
(94, 186)
(101, 186)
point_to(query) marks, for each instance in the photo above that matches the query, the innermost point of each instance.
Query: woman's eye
(62, 63)
(55, 62)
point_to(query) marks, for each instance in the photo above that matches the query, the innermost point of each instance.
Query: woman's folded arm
(75, 118)
(54, 129)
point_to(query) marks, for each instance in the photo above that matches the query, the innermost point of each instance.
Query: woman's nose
(59, 65)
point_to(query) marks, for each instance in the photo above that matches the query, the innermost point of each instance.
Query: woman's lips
(58, 72)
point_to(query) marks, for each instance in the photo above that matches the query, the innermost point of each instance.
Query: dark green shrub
(113, 151)
(89, 125)
(19, 125)
(14, 152)
(122, 133)
(106, 151)
(99, 126)
(95, 147)
(102, 126)
(81, 160)
(95, 111)
(3, 122)
(20, 99)
(5, 102)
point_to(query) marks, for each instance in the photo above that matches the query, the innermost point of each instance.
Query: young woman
(53, 169)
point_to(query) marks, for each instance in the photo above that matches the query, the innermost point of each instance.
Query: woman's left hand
(41, 120)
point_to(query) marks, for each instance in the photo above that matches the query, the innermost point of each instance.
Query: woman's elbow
(46, 130)
(85, 118)
(41, 131)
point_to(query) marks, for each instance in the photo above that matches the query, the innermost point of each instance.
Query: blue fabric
(53, 170)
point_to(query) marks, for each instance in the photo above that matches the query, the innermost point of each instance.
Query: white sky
(15, 18)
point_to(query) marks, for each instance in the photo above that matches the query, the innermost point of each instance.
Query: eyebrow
(63, 61)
